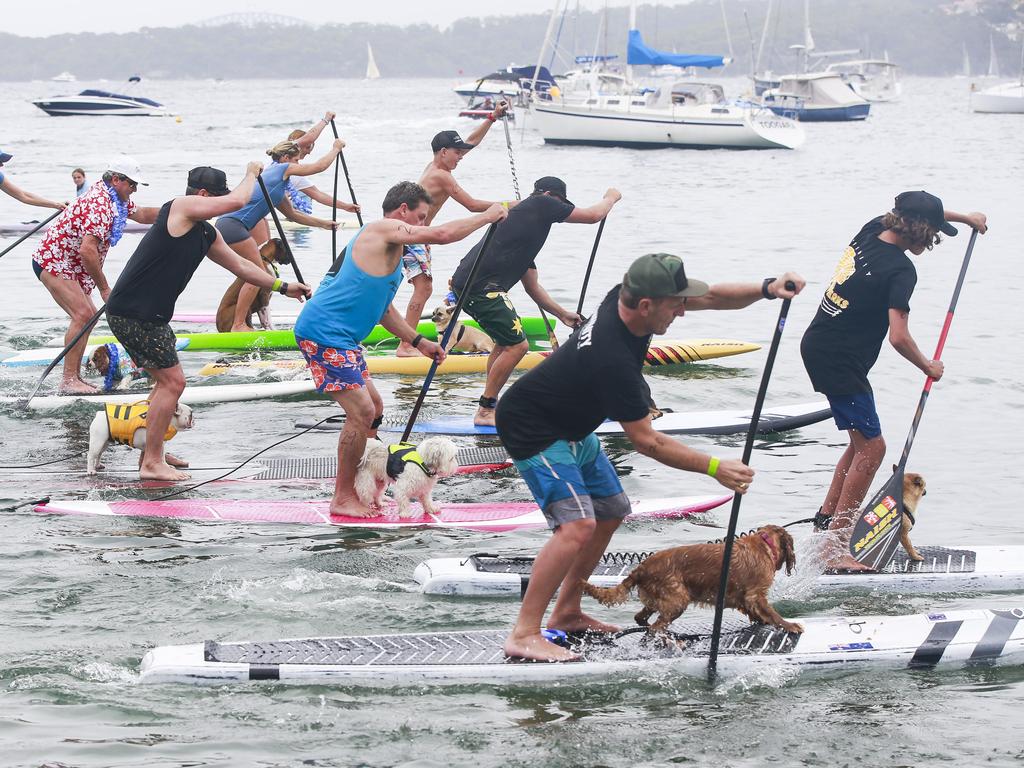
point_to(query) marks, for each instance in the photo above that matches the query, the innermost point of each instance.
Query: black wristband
(764, 288)
(283, 290)
(416, 340)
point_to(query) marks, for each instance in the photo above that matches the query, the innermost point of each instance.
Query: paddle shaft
(348, 179)
(334, 202)
(280, 229)
(29, 234)
(938, 350)
(590, 266)
(515, 186)
(448, 331)
(748, 448)
(78, 336)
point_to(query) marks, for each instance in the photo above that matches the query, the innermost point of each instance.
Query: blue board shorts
(574, 481)
(856, 412)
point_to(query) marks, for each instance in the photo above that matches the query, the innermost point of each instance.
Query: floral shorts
(415, 261)
(334, 370)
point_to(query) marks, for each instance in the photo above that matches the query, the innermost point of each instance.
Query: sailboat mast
(764, 36)
(632, 26)
(544, 47)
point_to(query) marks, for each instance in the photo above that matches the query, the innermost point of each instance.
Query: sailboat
(685, 115)
(372, 73)
(966, 71)
(1001, 99)
(993, 60)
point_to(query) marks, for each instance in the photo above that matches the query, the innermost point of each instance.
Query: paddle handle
(448, 331)
(748, 447)
(334, 201)
(29, 234)
(78, 336)
(280, 229)
(590, 266)
(348, 179)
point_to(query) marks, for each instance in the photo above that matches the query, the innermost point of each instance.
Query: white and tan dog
(126, 424)
(414, 473)
(464, 338)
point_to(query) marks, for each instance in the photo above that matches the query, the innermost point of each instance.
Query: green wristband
(713, 466)
(277, 285)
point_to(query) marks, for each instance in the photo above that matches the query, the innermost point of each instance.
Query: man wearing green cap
(547, 419)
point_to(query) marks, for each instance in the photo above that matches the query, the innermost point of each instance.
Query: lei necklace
(120, 215)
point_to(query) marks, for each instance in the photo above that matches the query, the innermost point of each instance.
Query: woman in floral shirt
(69, 261)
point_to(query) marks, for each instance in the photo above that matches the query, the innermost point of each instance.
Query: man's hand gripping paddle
(876, 531)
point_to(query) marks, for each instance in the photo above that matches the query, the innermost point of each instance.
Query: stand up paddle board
(27, 226)
(46, 355)
(918, 641)
(661, 354)
(944, 569)
(732, 422)
(507, 516)
(219, 393)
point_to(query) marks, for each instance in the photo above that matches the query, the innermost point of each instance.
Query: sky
(69, 16)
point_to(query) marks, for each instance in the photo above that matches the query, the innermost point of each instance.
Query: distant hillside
(924, 36)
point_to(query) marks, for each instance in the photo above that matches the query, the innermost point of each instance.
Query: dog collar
(401, 454)
(910, 516)
(771, 546)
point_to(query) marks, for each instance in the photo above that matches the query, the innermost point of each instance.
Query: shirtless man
(440, 184)
(354, 296)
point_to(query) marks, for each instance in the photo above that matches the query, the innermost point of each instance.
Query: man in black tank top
(141, 304)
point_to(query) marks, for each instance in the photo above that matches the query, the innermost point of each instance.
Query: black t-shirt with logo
(595, 375)
(516, 243)
(842, 342)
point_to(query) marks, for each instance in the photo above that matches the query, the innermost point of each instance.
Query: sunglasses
(133, 184)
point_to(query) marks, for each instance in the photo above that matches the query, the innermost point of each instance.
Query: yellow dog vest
(124, 420)
(401, 454)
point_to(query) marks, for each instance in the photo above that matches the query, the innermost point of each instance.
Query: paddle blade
(876, 532)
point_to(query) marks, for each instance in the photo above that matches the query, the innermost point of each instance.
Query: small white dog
(126, 424)
(414, 482)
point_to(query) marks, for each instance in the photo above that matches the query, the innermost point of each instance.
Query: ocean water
(82, 599)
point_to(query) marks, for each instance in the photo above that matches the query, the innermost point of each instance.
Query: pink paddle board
(509, 516)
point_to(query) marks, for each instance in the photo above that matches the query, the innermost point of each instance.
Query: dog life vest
(124, 421)
(402, 454)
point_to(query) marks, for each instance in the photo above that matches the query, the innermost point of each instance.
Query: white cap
(127, 166)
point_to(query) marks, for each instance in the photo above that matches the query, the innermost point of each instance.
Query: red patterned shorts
(334, 370)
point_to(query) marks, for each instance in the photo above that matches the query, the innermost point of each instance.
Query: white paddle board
(219, 393)
(46, 355)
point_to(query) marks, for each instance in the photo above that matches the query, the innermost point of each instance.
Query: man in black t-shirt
(510, 258)
(869, 295)
(547, 420)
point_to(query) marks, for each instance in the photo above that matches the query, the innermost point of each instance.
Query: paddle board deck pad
(918, 641)
(219, 393)
(732, 422)
(662, 354)
(533, 327)
(46, 355)
(507, 516)
(944, 569)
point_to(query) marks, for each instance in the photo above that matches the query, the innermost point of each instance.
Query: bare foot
(484, 417)
(847, 563)
(407, 350)
(76, 386)
(579, 622)
(161, 471)
(351, 508)
(243, 328)
(174, 461)
(537, 648)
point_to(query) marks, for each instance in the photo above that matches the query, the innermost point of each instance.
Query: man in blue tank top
(356, 294)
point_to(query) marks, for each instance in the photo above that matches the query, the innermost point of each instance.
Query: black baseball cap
(449, 140)
(551, 184)
(5, 156)
(213, 180)
(921, 205)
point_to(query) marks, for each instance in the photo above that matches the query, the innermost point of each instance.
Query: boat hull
(823, 114)
(85, 106)
(1002, 99)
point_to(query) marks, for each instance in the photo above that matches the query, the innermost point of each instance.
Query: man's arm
(903, 342)
(286, 207)
(324, 199)
(537, 292)
(395, 323)
(192, 208)
(90, 255)
(740, 295)
(400, 233)
(485, 125)
(144, 215)
(733, 474)
(308, 139)
(461, 196)
(596, 212)
(318, 166)
(220, 253)
(27, 197)
(977, 220)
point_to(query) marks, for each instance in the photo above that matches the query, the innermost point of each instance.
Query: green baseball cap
(658, 275)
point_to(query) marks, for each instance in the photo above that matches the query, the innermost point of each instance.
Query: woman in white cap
(19, 194)
(69, 260)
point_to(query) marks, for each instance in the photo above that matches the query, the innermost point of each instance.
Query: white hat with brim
(129, 167)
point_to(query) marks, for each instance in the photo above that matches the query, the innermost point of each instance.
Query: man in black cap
(437, 179)
(869, 296)
(511, 257)
(547, 419)
(141, 303)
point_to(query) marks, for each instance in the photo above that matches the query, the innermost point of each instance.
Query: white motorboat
(816, 97)
(1001, 99)
(873, 80)
(95, 102)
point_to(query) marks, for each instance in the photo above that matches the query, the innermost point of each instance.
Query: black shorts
(233, 230)
(150, 344)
